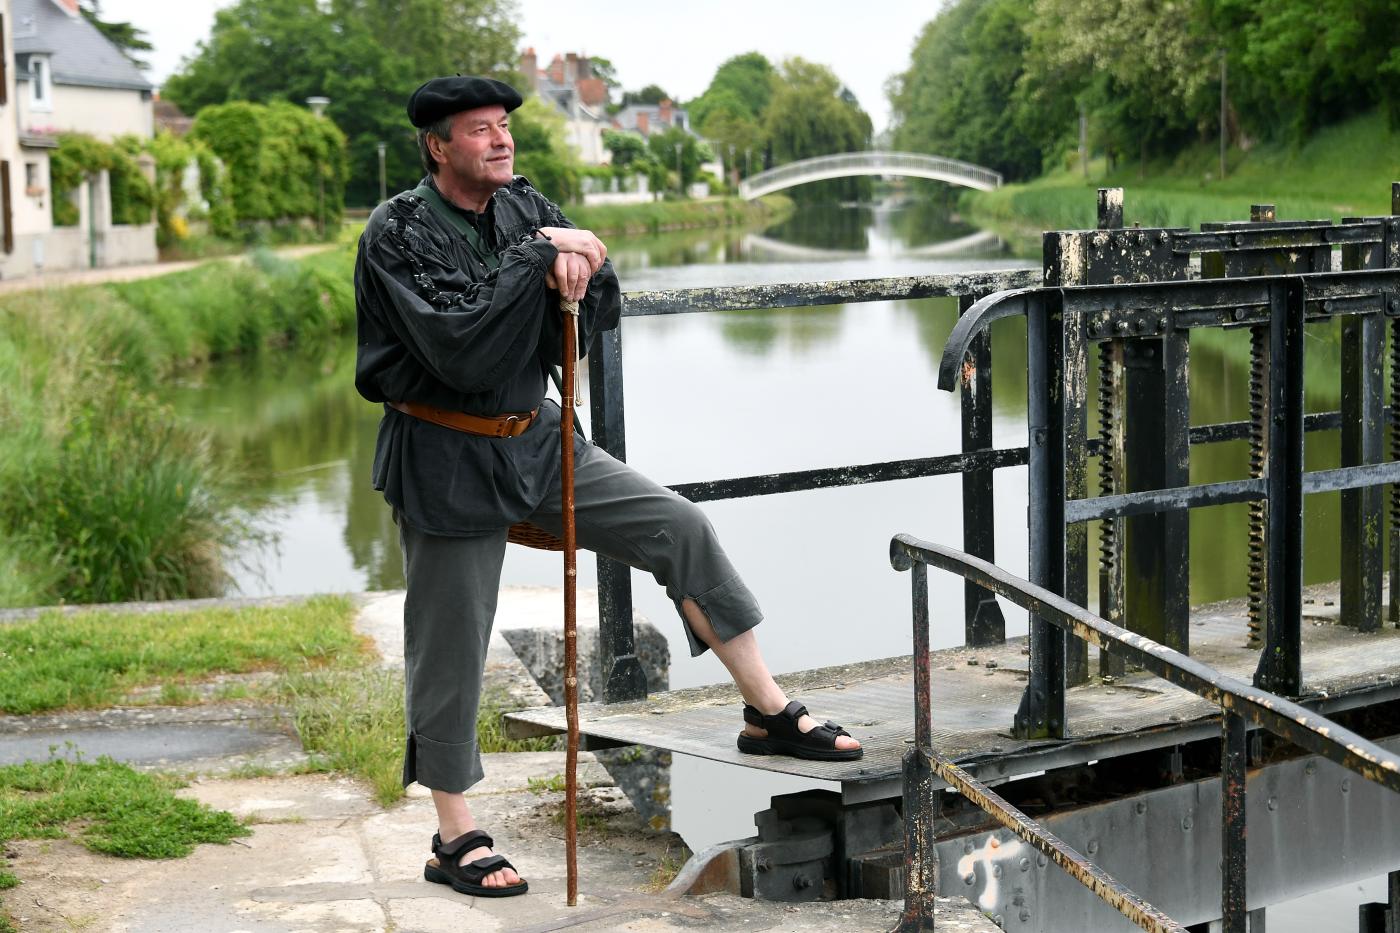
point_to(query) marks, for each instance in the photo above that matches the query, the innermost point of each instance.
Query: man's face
(481, 153)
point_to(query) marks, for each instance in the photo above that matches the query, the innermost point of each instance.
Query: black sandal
(466, 879)
(784, 738)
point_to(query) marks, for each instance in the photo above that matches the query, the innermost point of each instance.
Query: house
(580, 97)
(652, 118)
(62, 75)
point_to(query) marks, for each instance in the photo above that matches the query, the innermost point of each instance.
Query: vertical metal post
(1390, 251)
(1363, 442)
(920, 797)
(1158, 454)
(1042, 710)
(1232, 823)
(984, 622)
(1280, 664)
(1074, 386)
(1112, 479)
(623, 677)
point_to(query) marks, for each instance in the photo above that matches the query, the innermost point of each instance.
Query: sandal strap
(783, 725)
(476, 870)
(475, 839)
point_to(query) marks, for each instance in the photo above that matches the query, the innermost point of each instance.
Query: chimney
(571, 69)
(643, 124)
(529, 67)
(556, 70)
(592, 91)
(665, 115)
(585, 68)
(69, 6)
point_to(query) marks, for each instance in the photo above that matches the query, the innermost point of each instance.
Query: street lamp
(680, 176)
(733, 169)
(318, 106)
(381, 173)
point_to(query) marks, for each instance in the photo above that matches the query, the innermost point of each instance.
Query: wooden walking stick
(567, 391)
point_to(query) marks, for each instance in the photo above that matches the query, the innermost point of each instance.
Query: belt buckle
(508, 425)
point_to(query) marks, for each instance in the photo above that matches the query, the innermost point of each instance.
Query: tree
(651, 94)
(812, 114)
(605, 71)
(367, 56)
(732, 109)
(126, 37)
(693, 152)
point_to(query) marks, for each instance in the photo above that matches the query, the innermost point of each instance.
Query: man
(457, 288)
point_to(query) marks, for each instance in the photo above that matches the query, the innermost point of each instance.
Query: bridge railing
(1241, 705)
(866, 163)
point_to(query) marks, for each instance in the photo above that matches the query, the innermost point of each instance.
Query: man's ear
(435, 148)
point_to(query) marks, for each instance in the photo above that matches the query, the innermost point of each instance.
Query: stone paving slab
(324, 857)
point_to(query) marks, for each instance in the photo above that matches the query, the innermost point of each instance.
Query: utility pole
(680, 175)
(1223, 78)
(381, 174)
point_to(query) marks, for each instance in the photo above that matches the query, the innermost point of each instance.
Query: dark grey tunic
(436, 326)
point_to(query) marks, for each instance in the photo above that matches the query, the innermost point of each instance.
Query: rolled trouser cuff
(445, 766)
(730, 607)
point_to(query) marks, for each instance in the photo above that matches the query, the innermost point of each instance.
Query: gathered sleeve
(471, 336)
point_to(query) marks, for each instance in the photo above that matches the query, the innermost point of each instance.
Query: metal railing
(621, 671)
(843, 165)
(1241, 705)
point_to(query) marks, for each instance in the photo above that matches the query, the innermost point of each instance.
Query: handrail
(1240, 704)
(870, 162)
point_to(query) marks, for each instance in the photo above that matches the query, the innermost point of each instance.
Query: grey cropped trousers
(453, 582)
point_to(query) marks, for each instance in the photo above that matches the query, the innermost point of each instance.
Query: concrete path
(323, 856)
(70, 277)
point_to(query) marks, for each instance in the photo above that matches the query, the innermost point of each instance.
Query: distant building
(579, 96)
(62, 75)
(652, 118)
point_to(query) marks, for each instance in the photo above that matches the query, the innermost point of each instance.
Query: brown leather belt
(495, 426)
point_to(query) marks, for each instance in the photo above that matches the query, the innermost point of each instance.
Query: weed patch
(120, 811)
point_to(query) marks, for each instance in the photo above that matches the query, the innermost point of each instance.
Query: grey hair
(442, 129)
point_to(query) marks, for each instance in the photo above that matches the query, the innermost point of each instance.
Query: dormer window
(40, 83)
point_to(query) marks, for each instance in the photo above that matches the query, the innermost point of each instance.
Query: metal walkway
(975, 694)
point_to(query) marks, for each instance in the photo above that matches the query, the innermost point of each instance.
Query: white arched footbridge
(846, 164)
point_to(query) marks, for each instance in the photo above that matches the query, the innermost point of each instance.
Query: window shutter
(4, 65)
(7, 207)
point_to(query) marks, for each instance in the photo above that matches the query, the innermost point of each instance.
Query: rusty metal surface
(1086, 872)
(975, 693)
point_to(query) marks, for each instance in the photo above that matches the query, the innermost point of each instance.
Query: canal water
(734, 394)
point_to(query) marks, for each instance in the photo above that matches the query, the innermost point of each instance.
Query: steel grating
(975, 694)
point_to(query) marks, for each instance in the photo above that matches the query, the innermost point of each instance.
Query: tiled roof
(81, 55)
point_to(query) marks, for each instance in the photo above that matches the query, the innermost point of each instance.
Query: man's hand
(579, 242)
(570, 275)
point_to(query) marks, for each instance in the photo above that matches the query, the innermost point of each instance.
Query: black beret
(443, 97)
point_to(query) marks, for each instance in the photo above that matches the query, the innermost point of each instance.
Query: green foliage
(1003, 82)
(90, 660)
(659, 216)
(651, 95)
(542, 155)
(731, 110)
(284, 163)
(693, 152)
(811, 113)
(113, 499)
(124, 36)
(113, 809)
(78, 156)
(367, 56)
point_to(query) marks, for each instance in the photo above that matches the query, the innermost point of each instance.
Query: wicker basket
(533, 536)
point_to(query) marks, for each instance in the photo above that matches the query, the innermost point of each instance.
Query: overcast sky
(676, 46)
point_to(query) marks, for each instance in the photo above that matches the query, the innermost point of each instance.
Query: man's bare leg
(740, 655)
(454, 819)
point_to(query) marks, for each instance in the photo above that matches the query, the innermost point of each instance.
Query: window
(40, 85)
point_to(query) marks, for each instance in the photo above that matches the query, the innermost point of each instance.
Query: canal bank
(322, 854)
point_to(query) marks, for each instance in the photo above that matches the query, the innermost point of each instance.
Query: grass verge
(111, 808)
(1302, 181)
(656, 216)
(93, 659)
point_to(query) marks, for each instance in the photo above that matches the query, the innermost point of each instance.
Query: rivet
(1025, 866)
(1025, 915)
(1239, 314)
(1093, 846)
(1121, 327)
(967, 847)
(1273, 803)
(1162, 322)
(996, 871)
(1186, 823)
(1346, 785)
(1042, 860)
(969, 879)
(1141, 807)
(1164, 236)
(1310, 768)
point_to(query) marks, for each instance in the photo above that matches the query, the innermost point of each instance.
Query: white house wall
(102, 112)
